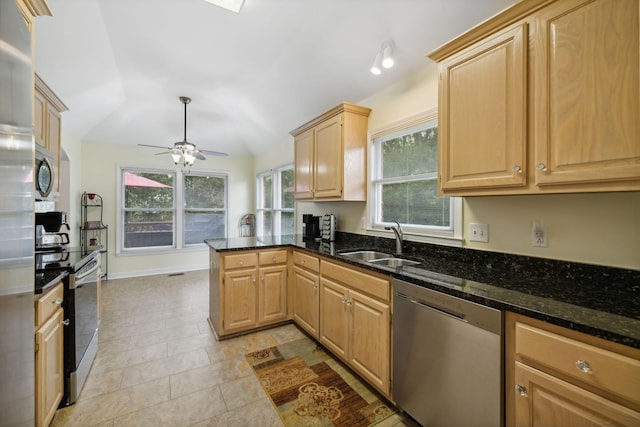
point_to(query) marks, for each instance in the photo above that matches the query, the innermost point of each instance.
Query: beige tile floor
(158, 363)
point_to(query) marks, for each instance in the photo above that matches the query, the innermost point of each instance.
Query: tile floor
(158, 363)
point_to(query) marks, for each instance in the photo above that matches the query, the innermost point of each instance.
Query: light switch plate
(479, 232)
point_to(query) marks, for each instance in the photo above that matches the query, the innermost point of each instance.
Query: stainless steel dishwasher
(447, 358)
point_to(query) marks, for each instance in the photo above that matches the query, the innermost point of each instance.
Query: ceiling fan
(184, 152)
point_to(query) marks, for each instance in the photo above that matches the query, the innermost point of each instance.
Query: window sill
(161, 251)
(456, 242)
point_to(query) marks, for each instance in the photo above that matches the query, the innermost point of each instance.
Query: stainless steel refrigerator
(16, 220)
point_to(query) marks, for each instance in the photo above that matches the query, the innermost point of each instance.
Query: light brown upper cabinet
(542, 98)
(47, 109)
(331, 155)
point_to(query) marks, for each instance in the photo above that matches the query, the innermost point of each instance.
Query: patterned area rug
(310, 388)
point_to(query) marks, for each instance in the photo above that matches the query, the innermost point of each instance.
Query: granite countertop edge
(530, 301)
(47, 280)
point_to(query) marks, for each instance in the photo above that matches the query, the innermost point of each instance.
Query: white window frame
(276, 198)
(450, 236)
(225, 177)
(178, 200)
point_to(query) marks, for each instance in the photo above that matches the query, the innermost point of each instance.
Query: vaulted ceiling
(120, 65)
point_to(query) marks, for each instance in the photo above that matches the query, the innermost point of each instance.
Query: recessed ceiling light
(232, 5)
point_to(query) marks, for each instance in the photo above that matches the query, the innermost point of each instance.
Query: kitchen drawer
(588, 364)
(306, 261)
(241, 260)
(48, 303)
(363, 282)
(272, 257)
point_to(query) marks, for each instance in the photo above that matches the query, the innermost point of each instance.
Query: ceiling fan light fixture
(232, 5)
(183, 152)
(189, 158)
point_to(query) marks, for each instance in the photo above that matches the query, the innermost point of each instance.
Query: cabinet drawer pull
(241, 262)
(57, 301)
(522, 390)
(583, 365)
(273, 259)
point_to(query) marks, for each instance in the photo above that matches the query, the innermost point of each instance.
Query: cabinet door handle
(344, 300)
(66, 322)
(57, 301)
(303, 261)
(517, 169)
(583, 365)
(522, 390)
(542, 167)
(254, 279)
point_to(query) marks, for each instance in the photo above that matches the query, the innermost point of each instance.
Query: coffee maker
(49, 234)
(310, 227)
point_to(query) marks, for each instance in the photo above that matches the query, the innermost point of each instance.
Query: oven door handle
(77, 278)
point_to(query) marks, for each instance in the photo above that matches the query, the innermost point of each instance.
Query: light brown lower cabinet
(249, 290)
(355, 321)
(305, 283)
(49, 365)
(559, 377)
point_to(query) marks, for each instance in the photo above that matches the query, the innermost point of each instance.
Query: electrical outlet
(479, 232)
(538, 235)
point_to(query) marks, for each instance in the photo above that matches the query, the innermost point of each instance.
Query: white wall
(72, 146)
(100, 165)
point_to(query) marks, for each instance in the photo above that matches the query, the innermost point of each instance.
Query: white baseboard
(153, 272)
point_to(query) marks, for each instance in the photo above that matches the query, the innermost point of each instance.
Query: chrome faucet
(399, 236)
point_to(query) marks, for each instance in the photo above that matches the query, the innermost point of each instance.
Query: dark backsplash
(581, 283)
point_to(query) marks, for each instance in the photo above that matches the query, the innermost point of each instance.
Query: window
(150, 217)
(205, 212)
(148, 209)
(405, 181)
(275, 203)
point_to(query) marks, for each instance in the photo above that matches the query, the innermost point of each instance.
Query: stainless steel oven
(83, 292)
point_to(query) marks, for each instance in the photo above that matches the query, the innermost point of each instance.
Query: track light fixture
(384, 58)
(375, 68)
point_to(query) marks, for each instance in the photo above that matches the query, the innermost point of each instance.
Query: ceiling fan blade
(213, 153)
(155, 146)
(164, 152)
(198, 155)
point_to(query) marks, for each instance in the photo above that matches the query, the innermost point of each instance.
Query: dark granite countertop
(596, 300)
(47, 278)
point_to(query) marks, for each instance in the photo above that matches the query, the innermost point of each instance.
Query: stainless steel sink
(393, 262)
(366, 255)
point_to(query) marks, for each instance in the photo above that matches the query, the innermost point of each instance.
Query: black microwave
(44, 174)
